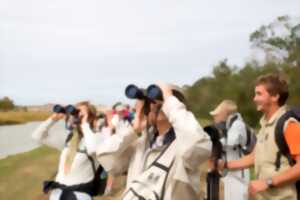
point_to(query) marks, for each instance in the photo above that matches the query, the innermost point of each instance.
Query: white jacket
(125, 151)
(55, 136)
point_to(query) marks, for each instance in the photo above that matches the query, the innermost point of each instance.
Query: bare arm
(290, 175)
(243, 163)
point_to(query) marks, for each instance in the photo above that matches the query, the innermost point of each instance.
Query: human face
(263, 99)
(156, 115)
(220, 117)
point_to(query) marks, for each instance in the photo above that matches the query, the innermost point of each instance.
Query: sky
(65, 51)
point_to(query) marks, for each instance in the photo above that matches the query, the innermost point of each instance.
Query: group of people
(161, 150)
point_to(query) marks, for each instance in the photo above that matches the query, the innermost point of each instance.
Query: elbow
(197, 155)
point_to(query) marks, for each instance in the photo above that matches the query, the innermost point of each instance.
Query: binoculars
(69, 109)
(152, 93)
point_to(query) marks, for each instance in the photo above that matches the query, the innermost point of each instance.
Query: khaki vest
(265, 157)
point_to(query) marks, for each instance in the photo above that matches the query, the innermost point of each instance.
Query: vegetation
(282, 55)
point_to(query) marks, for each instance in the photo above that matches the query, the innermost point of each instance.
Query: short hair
(275, 84)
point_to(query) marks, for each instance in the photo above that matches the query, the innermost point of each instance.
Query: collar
(274, 118)
(160, 140)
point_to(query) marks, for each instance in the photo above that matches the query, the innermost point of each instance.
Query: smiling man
(271, 93)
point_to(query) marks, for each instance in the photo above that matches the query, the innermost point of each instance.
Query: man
(235, 182)
(271, 93)
(162, 162)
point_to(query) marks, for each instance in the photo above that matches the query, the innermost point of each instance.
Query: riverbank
(20, 117)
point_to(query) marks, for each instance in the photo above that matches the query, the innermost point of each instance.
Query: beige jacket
(265, 156)
(125, 151)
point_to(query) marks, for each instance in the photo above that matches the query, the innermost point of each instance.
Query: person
(235, 182)
(161, 151)
(271, 93)
(78, 165)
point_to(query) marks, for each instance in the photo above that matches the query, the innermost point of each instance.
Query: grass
(19, 117)
(21, 176)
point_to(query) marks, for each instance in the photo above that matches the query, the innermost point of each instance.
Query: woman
(78, 168)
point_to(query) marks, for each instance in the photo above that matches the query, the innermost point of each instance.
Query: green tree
(6, 104)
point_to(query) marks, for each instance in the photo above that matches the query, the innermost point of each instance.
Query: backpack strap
(232, 120)
(165, 162)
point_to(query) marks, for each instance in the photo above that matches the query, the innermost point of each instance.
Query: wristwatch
(225, 169)
(269, 182)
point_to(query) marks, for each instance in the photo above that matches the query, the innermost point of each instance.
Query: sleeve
(92, 139)
(292, 137)
(115, 152)
(48, 134)
(194, 145)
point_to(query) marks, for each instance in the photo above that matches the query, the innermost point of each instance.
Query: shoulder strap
(165, 162)
(232, 120)
(166, 158)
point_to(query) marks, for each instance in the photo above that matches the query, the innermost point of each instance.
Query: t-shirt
(292, 137)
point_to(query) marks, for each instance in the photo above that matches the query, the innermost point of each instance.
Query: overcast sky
(63, 51)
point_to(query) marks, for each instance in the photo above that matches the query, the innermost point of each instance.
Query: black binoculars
(69, 109)
(153, 92)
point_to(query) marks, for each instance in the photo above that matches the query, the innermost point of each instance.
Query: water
(16, 139)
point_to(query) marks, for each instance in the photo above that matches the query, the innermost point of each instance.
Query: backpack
(251, 137)
(281, 142)
(100, 175)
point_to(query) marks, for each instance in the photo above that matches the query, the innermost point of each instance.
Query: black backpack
(100, 179)
(281, 142)
(100, 175)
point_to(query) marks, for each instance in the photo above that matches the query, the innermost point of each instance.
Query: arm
(42, 133)
(194, 145)
(115, 153)
(92, 140)
(290, 175)
(243, 163)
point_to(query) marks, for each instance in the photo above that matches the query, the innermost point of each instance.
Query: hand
(57, 116)
(211, 164)
(220, 165)
(165, 88)
(257, 186)
(139, 115)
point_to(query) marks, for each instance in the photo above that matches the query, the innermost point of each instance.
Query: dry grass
(19, 117)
